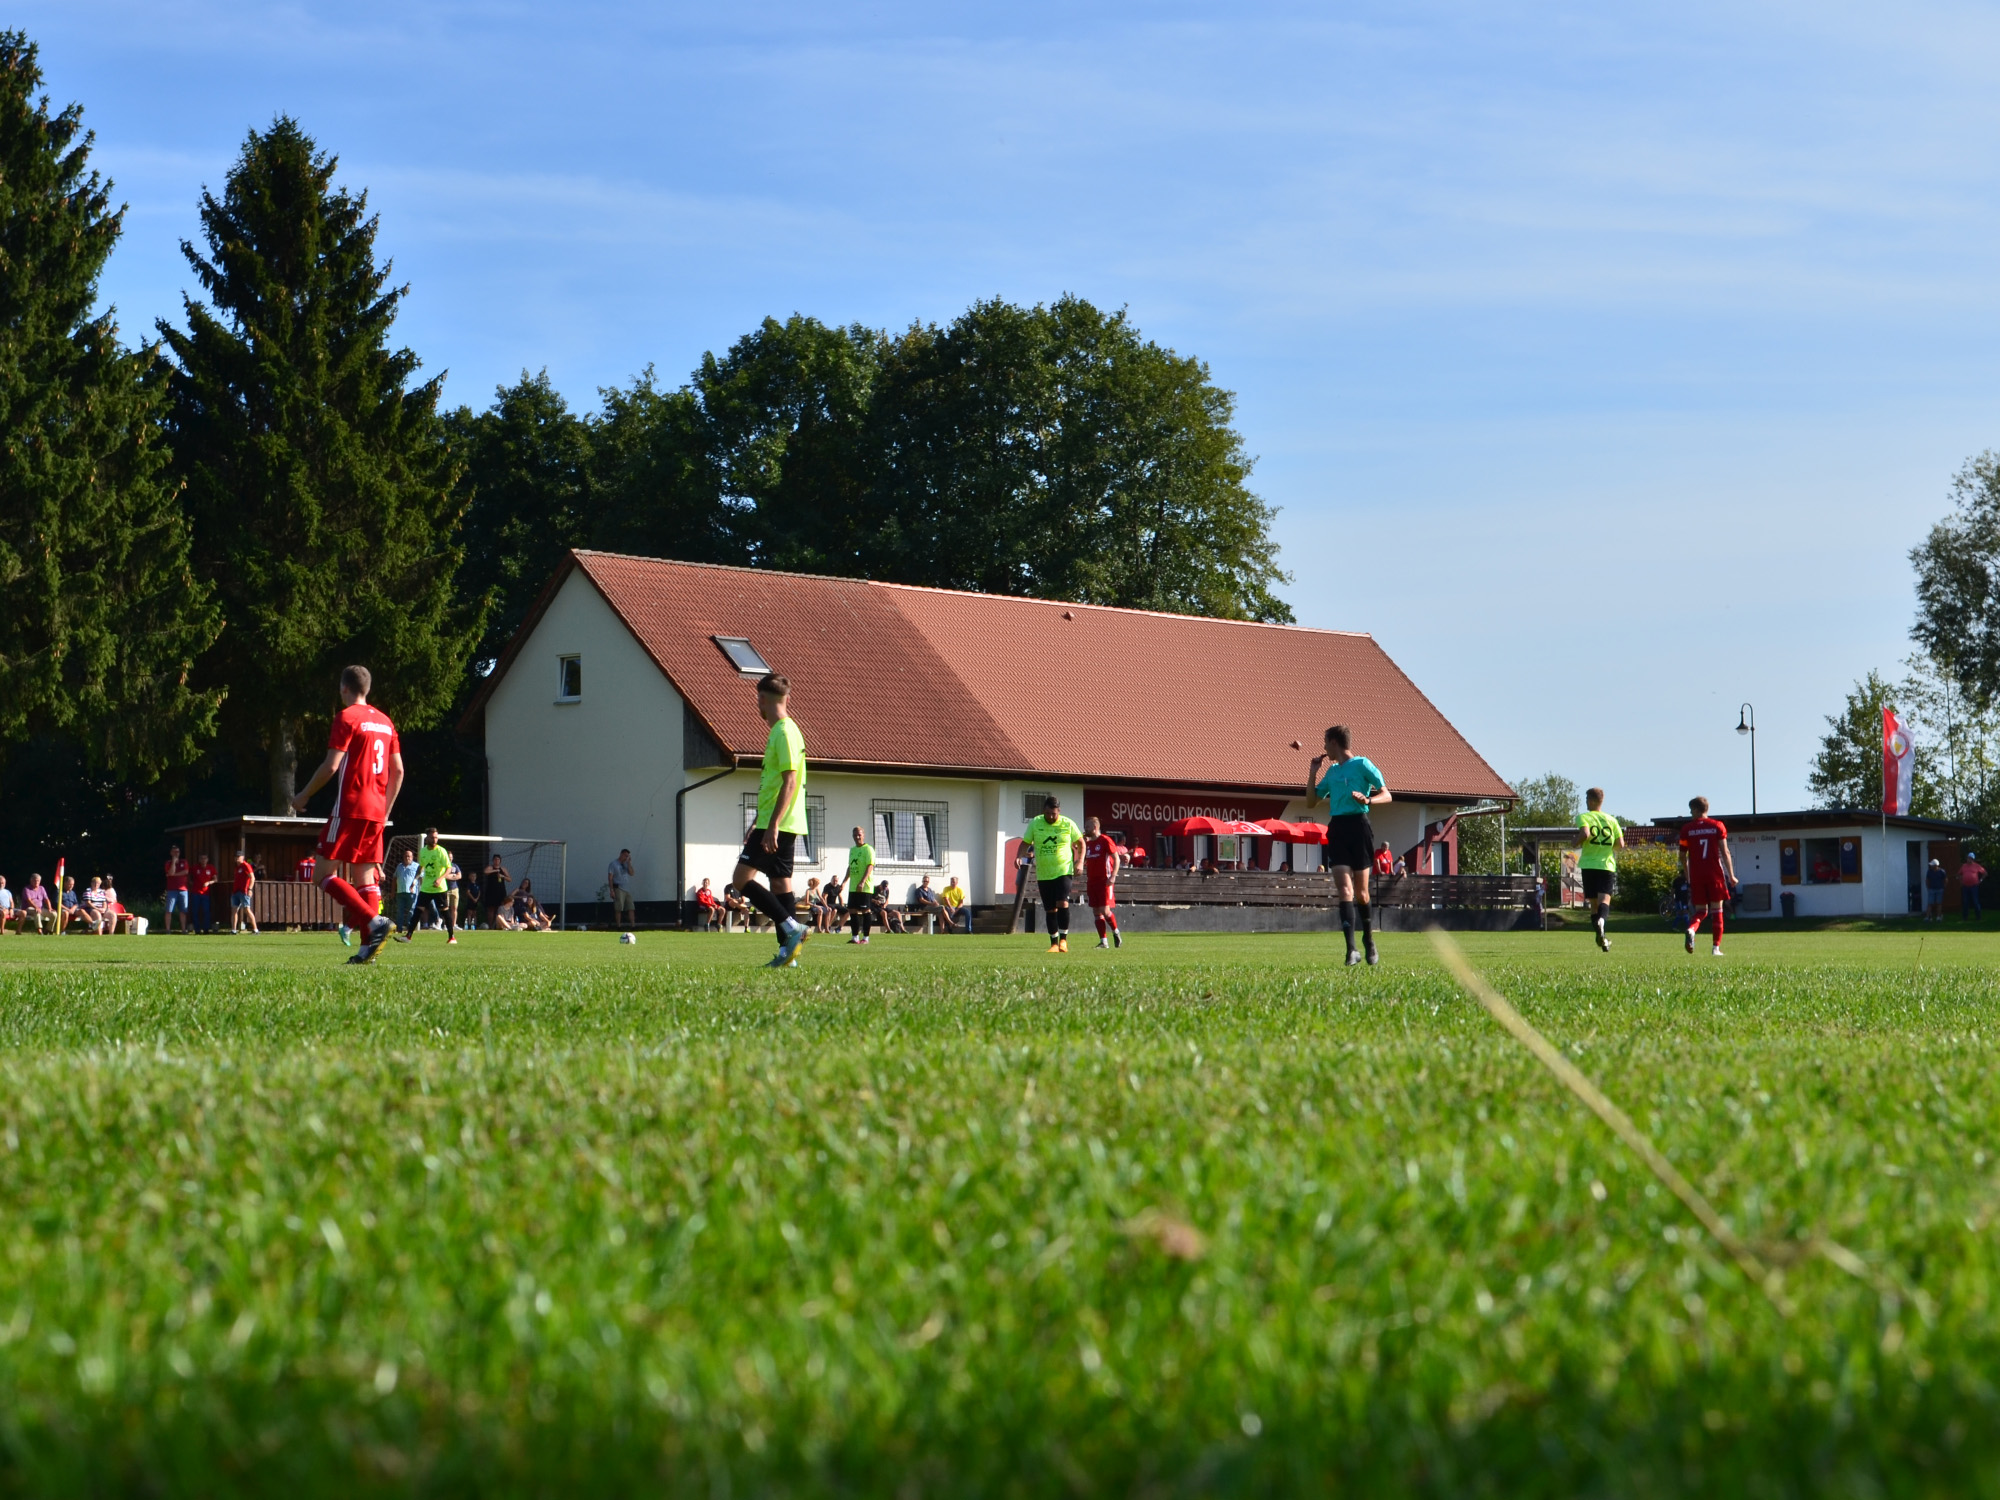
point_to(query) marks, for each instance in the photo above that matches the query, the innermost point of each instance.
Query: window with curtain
(910, 833)
(807, 851)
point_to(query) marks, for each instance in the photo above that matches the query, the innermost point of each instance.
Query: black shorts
(1599, 883)
(776, 863)
(860, 900)
(1054, 892)
(1350, 841)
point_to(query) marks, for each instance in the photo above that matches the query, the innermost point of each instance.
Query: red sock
(372, 894)
(1695, 925)
(1718, 927)
(358, 912)
(1100, 927)
(1112, 918)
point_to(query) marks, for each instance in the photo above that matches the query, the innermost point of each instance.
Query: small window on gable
(742, 655)
(569, 679)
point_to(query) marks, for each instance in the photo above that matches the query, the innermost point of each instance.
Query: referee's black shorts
(1350, 841)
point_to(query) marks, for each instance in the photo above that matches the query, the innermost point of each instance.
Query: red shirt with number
(369, 739)
(1702, 841)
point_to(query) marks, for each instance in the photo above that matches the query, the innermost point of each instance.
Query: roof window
(742, 655)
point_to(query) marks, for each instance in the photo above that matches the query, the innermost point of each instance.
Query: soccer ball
(628, 937)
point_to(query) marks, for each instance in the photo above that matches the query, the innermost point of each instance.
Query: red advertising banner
(1138, 816)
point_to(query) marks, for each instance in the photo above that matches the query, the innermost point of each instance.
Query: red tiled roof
(887, 675)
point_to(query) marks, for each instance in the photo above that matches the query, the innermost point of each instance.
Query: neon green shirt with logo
(1054, 844)
(432, 866)
(1600, 841)
(784, 751)
(859, 860)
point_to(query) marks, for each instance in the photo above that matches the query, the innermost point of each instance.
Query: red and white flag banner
(1899, 764)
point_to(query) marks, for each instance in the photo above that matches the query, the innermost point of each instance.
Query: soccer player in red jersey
(366, 754)
(1710, 870)
(1100, 874)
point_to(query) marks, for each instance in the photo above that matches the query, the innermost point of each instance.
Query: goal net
(542, 861)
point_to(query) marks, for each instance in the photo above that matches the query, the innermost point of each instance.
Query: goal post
(545, 862)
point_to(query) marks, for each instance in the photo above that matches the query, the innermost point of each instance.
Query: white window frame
(563, 695)
(812, 855)
(882, 815)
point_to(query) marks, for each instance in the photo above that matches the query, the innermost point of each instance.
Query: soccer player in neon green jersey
(1351, 786)
(1602, 836)
(1058, 845)
(433, 870)
(781, 818)
(860, 888)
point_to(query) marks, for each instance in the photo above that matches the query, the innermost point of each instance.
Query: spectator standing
(1934, 892)
(1971, 875)
(304, 870)
(454, 879)
(406, 888)
(619, 881)
(176, 898)
(242, 889)
(35, 904)
(493, 891)
(201, 877)
(1385, 860)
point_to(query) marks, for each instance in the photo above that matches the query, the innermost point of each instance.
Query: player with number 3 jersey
(365, 754)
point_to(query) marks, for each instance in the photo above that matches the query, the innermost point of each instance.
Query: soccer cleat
(1104, 942)
(1373, 956)
(372, 940)
(852, 941)
(1716, 951)
(403, 937)
(342, 933)
(1353, 958)
(1604, 942)
(1117, 938)
(1690, 940)
(452, 941)
(1062, 945)
(789, 945)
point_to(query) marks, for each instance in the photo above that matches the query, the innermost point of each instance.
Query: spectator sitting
(953, 897)
(1140, 858)
(528, 913)
(35, 904)
(816, 912)
(7, 909)
(924, 902)
(71, 911)
(97, 911)
(708, 907)
(735, 905)
(1402, 868)
(891, 916)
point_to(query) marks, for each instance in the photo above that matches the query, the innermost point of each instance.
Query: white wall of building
(600, 772)
(1884, 883)
(715, 828)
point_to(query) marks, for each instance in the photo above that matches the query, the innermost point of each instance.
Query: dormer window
(742, 655)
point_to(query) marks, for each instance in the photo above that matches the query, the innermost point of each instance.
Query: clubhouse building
(623, 715)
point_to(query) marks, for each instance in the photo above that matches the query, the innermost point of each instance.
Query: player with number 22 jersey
(354, 833)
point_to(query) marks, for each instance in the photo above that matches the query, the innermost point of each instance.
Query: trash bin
(1788, 903)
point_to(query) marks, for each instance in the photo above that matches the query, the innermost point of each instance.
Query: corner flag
(1899, 761)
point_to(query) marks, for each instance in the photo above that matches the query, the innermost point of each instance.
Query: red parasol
(1181, 828)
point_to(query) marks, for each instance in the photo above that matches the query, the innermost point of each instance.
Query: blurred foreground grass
(543, 1215)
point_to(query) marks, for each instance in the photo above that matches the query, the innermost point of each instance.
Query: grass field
(545, 1215)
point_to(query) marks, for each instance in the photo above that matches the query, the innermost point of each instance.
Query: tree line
(1948, 691)
(198, 531)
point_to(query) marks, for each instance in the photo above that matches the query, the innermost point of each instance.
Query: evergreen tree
(526, 486)
(104, 619)
(321, 482)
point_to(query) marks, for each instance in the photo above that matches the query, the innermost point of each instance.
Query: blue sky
(1604, 362)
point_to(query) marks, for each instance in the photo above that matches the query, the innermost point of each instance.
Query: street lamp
(1746, 723)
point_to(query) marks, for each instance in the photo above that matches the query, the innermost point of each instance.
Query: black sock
(788, 901)
(1367, 915)
(1347, 923)
(760, 897)
(1065, 922)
